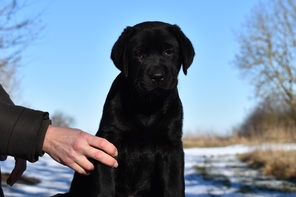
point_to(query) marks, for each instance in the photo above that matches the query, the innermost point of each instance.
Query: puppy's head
(151, 55)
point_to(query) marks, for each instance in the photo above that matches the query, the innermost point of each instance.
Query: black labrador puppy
(143, 116)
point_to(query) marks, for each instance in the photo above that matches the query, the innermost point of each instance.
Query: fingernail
(88, 172)
(115, 165)
(116, 154)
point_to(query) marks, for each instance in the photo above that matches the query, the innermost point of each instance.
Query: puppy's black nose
(157, 76)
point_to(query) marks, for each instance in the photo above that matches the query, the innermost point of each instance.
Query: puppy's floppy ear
(187, 50)
(119, 51)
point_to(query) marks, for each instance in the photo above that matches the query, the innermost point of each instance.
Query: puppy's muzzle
(156, 77)
(157, 73)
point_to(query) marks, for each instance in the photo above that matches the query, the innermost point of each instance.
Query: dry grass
(277, 135)
(278, 163)
(214, 140)
(210, 139)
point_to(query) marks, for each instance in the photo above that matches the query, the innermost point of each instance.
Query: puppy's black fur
(143, 116)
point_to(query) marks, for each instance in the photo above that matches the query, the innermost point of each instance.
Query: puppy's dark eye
(139, 54)
(168, 52)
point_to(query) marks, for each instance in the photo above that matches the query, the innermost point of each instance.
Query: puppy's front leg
(172, 172)
(103, 184)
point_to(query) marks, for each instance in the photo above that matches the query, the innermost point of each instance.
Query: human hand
(73, 147)
(19, 167)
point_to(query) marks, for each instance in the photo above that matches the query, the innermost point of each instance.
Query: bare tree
(60, 119)
(16, 33)
(267, 54)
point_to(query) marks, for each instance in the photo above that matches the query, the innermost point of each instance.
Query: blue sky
(68, 68)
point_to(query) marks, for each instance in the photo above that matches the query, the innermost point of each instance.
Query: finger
(80, 167)
(79, 163)
(19, 168)
(84, 163)
(103, 144)
(101, 156)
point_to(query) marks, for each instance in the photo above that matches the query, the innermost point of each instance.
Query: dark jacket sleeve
(22, 130)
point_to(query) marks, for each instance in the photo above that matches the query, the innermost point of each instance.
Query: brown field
(214, 140)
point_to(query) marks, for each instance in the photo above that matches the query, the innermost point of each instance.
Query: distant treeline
(270, 120)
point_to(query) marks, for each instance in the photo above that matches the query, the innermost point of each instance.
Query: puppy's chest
(139, 149)
(145, 121)
(138, 160)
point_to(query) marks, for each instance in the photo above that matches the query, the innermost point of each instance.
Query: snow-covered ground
(208, 172)
(218, 172)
